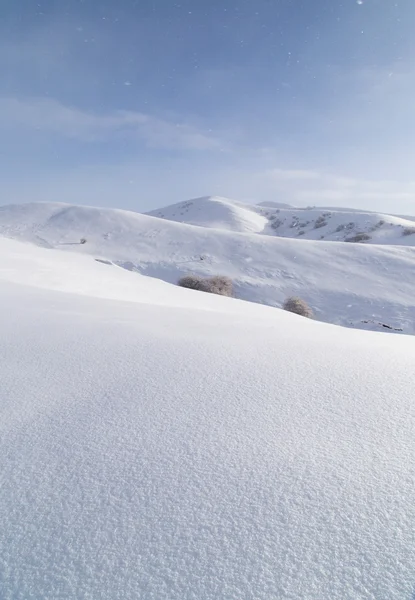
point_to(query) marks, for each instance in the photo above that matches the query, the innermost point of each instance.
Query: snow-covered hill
(344, 283)
(215, 212)
(184, 445)
(284, 221)
(340, 226)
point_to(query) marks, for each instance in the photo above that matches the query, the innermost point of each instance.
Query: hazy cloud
(315, 187)
(50, 116)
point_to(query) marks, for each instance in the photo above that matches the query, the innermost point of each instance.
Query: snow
(53, 270)
(283, 220)
(162, 443)
(341, 226)
(345, 283)
(215, 212)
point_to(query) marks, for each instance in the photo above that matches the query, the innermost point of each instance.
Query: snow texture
(190, 446)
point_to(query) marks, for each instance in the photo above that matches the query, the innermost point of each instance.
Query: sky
(141, 103)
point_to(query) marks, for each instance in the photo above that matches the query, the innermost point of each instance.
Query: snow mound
(170, 452)
(215, 212)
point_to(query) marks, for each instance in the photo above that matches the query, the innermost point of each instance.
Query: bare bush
(320, 222)
(193, 282)
(298, 306)
(359, 237)
(218, 284)
(378, 225)
(408, 231)
(276, 223)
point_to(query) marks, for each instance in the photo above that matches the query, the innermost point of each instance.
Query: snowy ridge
(344, 283)
(273, 218)
(340, 226)
(185, 445)
(215, 212)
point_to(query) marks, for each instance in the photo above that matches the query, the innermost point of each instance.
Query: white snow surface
(215, 212)
(344, 283)
(188, 446)
(283, 220)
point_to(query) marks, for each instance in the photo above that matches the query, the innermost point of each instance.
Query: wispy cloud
(319, 187)
(50, 116)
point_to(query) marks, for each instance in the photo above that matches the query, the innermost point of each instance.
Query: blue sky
(142, 103)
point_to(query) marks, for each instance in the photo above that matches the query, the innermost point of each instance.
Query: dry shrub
(320, 222)
(219, 284)
(359, 237)
(298, 306)
(193, 282)
(276, 223)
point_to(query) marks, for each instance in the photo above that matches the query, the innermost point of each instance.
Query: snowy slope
(340, 226)
(23, 264)
(226, 451)
(344, 283)
(215, 212)
(279, 219)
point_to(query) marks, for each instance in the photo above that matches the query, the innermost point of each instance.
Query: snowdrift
(190, 446)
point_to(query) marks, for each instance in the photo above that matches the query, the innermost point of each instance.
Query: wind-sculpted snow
(228, 451)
